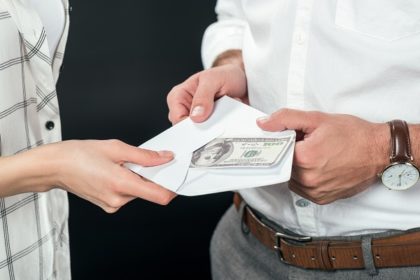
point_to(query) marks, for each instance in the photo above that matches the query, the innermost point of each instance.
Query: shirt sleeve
(225, 34)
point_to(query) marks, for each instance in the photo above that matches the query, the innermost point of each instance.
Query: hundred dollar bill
(240, 152)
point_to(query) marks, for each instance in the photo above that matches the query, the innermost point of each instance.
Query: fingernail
(166, 153)
(262, 119)
(197, 111)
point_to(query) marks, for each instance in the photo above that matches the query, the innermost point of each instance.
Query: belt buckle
(280, 235)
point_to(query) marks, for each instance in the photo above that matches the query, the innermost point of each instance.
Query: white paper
(230, 118)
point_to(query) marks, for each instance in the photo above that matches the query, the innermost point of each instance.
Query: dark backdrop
(122, 59)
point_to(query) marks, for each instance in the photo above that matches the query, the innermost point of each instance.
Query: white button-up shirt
(34, 241)
(358, 57)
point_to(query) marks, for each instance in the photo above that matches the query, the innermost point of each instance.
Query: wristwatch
(401, 173)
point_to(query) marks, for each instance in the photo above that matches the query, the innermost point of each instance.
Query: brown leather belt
(395, 251)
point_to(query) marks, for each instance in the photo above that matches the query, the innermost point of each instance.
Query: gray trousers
(238, 255)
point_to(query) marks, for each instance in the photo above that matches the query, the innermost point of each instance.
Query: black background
(122, 59)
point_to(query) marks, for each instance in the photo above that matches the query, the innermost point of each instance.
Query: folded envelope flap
(230, 117)
(184, 138)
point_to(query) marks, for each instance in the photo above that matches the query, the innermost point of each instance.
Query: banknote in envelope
(226, 152)
(240, 152)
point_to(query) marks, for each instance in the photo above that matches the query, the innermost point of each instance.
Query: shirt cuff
(220, 37)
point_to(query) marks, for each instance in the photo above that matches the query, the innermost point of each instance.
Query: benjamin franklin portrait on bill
(212, 153)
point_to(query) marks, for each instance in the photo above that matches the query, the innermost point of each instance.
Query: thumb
(290, 119)
(145, 157)
(203, 99)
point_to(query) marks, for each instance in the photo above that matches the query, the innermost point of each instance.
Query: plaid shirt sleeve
(34, 241)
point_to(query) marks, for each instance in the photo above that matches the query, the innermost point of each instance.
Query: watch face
(400, 176)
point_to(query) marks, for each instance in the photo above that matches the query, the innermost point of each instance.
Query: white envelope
(230, 118)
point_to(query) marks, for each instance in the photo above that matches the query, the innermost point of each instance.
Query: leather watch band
(400, 142)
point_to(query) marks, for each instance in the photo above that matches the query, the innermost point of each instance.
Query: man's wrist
(382, 142)
(230, 57)
(414, 130)
(381, 147)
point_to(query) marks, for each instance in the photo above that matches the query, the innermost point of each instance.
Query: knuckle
(115, 201)
(301, 159)
(176, 94)
(169, 99)
(116, 185)
(281, 113)
(317, 196)
(321, 202)
(315, 115)
(174, 90)
(165, 198)
(317, 200)
(110, 210)
(305, 157)
(309, 179)
(170, 118)
(304, 180)
(284, 111)
(148, 154)
(172, 93)
(198, 101)
(202, 98)
(206, 74)
(115, 142)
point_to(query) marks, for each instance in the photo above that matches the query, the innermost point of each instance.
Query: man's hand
(339, 155)
(195, 97)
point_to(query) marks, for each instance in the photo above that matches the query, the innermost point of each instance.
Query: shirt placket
(298, 54)
(305, 210)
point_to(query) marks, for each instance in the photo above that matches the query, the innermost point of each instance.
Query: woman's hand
(91, 169)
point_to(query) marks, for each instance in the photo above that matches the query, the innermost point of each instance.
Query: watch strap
(400, 142)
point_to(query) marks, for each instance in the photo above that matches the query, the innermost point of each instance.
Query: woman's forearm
(31, 171)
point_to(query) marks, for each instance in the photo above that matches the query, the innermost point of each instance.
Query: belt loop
(241, 211)
(368, 255)
(324, 255)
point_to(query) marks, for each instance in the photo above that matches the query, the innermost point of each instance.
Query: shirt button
(301, 38)
(49, 125)
(302, 203)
